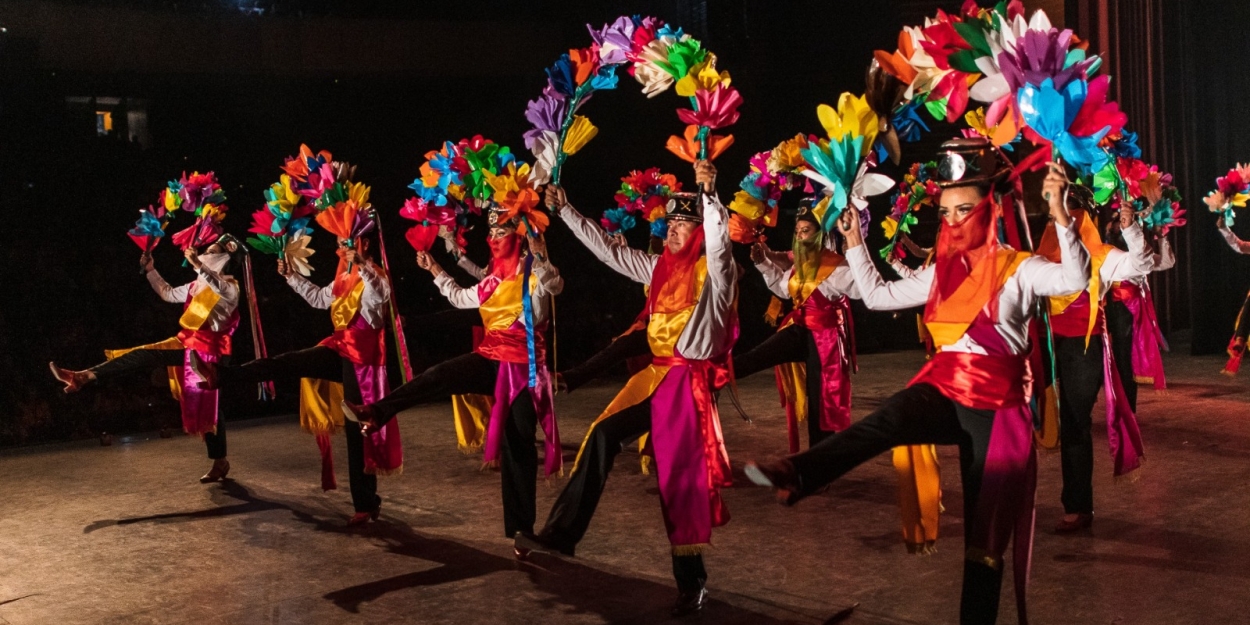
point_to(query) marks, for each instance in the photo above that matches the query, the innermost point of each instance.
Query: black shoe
(780, 475)
(537, 543)
(689, 602)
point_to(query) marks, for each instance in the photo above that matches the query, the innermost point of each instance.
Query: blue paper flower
(1050, 112)
(560, 75)
(1126, 146)
(604, 79)
(908, 123)
(659, 228)
(147, 225)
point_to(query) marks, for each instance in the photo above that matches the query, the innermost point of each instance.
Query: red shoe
(1074, 522)
(217, 473)
(73, 380)
(360, 518)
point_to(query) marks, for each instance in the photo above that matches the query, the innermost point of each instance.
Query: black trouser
(470, 374)
(1120, 329)
(148, 359)
(619, 350)
(571, 514)
(475, 374)
(1080, 379)
(918, 415)
(791, 344)
(321, 363)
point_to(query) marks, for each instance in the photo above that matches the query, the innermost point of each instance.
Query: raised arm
(722, 273)
(1165, 258)
(1239, 246)
(1135, 263)
(167, 293)
(1071, 275)
(471, 267)
(878, 294)
(633, 264)
(316, 296)
(775, 277)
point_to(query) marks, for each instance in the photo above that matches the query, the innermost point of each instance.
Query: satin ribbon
(527, 308)
(1148, 340)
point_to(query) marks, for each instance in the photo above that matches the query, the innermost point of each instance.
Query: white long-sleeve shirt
(840, 282)
(1035, 278)
(471, 268)
(227, 290)
(1239, 246)
(373, 300)
(1119, 265)
(708, 333)
(549, 282)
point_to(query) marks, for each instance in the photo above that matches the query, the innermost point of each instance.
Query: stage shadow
(569, 586)
(228, 489)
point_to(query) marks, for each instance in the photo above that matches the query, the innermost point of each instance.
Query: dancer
(691, 327)
(514, 298)
(209, 317)
(813, 352)
(979, 296)
(350, 364)
(1133, 325)
(1237, 345)
(1084, 366)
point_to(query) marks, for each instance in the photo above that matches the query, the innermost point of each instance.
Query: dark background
(235, 86)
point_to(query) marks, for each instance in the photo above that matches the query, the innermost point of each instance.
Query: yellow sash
(919, 496)
(800, 291)
(198, 309)
(947, 333)
(504, 306)
(664, 329)
(344, 309)
(471, 414)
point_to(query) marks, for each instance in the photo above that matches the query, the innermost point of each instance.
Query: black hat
(970, 161)
(684, 207)
(806, 205)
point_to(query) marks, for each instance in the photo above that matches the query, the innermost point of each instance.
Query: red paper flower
(717, 108)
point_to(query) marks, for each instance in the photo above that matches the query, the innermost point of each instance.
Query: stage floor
(126, 534)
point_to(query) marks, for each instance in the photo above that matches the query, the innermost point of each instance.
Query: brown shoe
(221, 467)
(780, 475)
(1074, 522)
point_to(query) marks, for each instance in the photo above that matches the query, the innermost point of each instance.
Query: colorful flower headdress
(917, 190)
(841, 162)
(643, 194)
(282, 227)
(1032, 80)
(755, 204)
(200, 195)
(658, 56)
(1231, 191)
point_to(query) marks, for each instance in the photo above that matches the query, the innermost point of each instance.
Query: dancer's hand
(538, 246)
(759, 251)
(1219, 223)
(1126, 215)
(192, 258)
(145, 262)
(848, 225)
(618, 240)
(426, 262)
(284, 268)
(1053, 191)
(350, 255)
(554, 197)
(705, 175)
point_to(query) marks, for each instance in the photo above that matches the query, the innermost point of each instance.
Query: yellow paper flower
(287, 197)
(786, 156)
(212, 212)
(702, 77)
(853, 118)
(747, 206)
(890, 225)
(580, 133)
(358, 192)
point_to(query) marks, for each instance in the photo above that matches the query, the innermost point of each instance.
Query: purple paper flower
(1040, 55)
(614, 40)
(548, 111)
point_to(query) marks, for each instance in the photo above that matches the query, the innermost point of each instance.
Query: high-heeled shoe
(218, 473)
(360, 518)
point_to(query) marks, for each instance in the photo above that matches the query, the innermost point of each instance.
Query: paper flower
(616, 220)
(713, 109)
(702, 77)
(580, 132)
(1232, 190)
(614, 40)
(687, 148)
(149, 228)
(296, 253)
(1050, 113)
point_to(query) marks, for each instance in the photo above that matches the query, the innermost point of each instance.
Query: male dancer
(979, 296)
(209, 317)
(500, 365)
(1083, 365)
(691, 327)
(353, 357)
